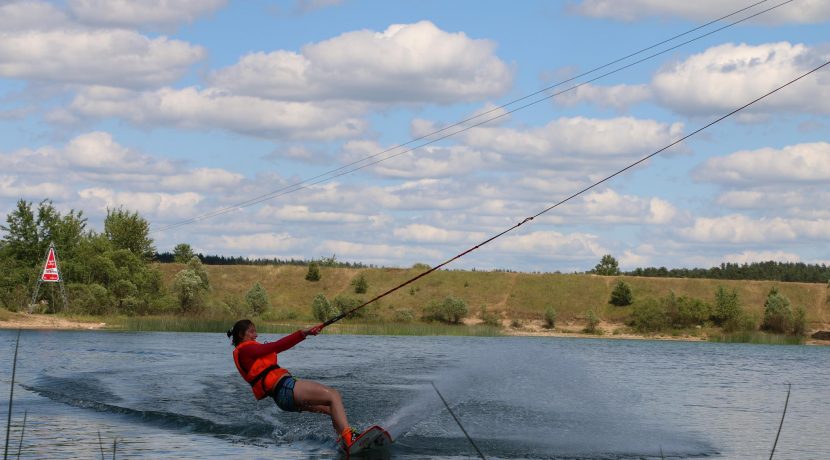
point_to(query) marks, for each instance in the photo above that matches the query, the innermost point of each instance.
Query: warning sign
(50, 270)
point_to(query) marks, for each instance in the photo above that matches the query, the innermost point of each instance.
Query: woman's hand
(313, 330)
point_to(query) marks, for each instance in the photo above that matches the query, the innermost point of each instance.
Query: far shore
(526, 329)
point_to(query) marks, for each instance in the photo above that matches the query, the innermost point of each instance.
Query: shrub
(450, 311)
(591, 322)
(799, 321)
(727, 308)
(195, 264)
(256, 299)
(515, 323)
(691, 312)
(490, 318)
(322, 309)
(313, 272)
(743, 323)
(404, 315)
(360, 284)
(189, 289)
(342, 303)
(550, 318)
(92, 298)
(621, 295)
(778, 316)
(235, 305)
(648, 316)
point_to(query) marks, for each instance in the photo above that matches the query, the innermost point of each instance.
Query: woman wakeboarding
(257, 363)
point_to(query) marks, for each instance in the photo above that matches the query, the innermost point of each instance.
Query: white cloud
(725, 77)
(794, 164)
(92, 155)
(179, 205)
(618, 97)
(803, 11)
(255, 242)
(552, 245)
(203, 179)
(425, 162)
(30, 15)
(610, 206)
(13, 187)
(95, 57)
(423, 233)
(192, 108)
(406, 63)
(302, 213)
(740, 229)
(136, 13)
(306, 6)
(570, 143)
(747, 257)
(375, 253)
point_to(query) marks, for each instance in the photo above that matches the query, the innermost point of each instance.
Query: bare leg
(320, 398)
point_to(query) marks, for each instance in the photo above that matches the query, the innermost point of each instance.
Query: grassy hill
(522, 296)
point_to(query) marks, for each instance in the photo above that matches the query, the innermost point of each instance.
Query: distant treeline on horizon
(759, 271)
(168, 257)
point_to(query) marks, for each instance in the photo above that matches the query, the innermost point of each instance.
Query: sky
(321, 128)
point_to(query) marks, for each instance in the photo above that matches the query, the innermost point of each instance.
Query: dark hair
(237, 332)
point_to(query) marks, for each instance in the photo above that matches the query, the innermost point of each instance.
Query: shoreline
(530, 329)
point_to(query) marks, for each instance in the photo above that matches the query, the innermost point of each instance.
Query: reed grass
(187, 324)
(415, 329)
(756, 337)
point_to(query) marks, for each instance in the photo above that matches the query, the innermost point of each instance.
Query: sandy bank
(27, 321)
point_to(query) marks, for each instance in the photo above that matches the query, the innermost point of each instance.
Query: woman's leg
(317, 397)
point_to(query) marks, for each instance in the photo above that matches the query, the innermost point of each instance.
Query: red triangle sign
(50, 270)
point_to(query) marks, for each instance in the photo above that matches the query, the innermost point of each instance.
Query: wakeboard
(373, 440)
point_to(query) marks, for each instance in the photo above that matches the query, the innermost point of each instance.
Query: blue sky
(178, 108)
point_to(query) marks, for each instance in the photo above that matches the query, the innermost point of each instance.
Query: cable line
(343, 170)
(565, 200)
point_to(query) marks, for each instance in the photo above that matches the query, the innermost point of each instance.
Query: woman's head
(242, 330)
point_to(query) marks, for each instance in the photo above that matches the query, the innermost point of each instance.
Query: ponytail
(237, 332)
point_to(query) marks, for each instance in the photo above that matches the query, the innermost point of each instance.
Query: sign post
(50, 274)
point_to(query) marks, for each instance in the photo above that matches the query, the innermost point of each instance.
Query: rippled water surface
(167, 395)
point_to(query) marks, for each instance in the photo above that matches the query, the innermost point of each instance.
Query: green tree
(607, 266)
(188, 288)
(313, 273)
(21, 240)
(182, 253)
(727, 307)
(621, 295)
(691, 312)
(451, 311)
(322, 309)
(799, 321)
(778, 316)
(128, 230)
(360, 284)
(195, 264)
(550, 318)
(648, 316)
(257, 299)
(591, 322)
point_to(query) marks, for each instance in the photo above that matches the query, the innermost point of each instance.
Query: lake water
(174, 395)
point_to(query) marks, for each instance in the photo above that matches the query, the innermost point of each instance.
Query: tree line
(759, 271)
(175, 256)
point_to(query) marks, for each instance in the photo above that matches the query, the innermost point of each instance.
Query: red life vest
(263, 374)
